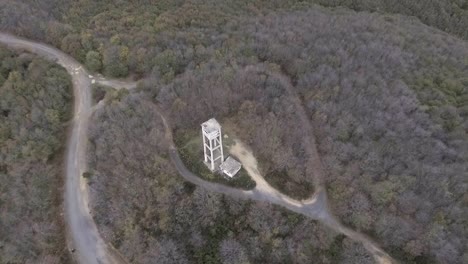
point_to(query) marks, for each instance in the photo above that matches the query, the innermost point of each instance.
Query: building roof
(230, 167)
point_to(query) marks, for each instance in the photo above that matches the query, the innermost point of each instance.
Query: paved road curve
(89, 247)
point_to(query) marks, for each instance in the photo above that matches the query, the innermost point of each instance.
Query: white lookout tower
(212, 144)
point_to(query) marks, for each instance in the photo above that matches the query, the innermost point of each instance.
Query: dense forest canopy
(385, 89)
(387, 99)
(121, 37)
(147, 211)
(34, 108)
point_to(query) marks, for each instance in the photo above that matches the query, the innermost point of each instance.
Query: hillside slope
(386, 95)
(388, 100)
(35, 104)
(117, 37)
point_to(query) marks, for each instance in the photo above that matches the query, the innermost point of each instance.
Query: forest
(387, 99)
(384, 85)
(147, 211)
(121, 38)
(35, 105)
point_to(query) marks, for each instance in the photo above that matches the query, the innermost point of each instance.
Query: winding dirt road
(84, 236)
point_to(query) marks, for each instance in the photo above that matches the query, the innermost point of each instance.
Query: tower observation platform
(213, 150)
(212, 144)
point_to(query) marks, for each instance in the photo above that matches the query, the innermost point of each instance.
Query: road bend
(83, 237)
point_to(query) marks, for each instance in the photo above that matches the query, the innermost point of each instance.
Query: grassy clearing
(189, 144)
